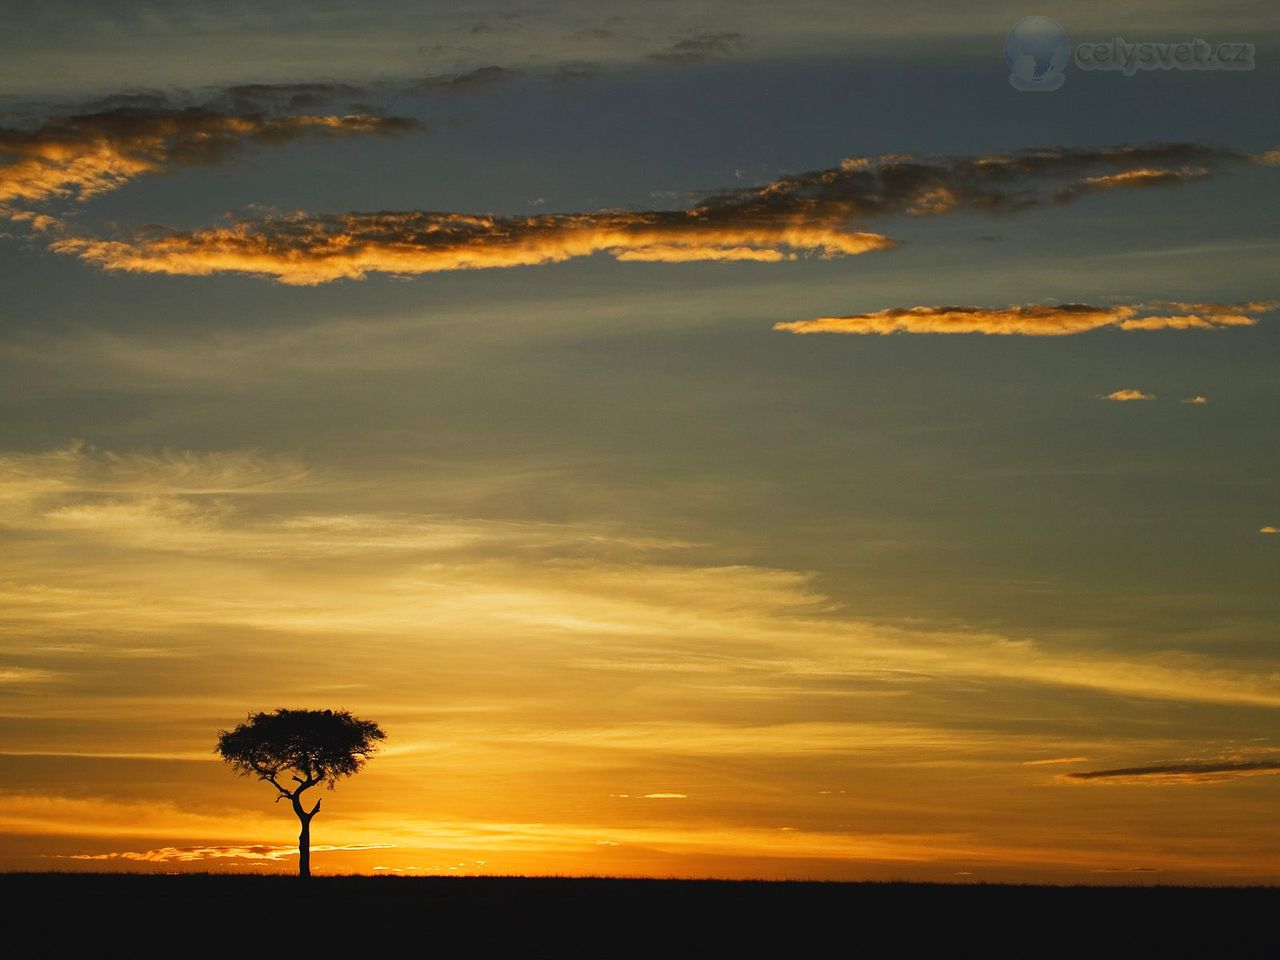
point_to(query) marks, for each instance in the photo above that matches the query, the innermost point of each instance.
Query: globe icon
(1037, 51)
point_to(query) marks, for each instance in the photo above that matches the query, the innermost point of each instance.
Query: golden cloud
(816, 213)
(310, 250)
(1137, 177)
(1053, 761)
(1037, 320)
(257, 851)
(1127, 395)
(88, 154)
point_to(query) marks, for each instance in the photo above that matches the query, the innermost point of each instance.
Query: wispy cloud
(1269, 529)
(25, 675)
(1127, 395)
(1037, 320)
(817, 213)
(259, 851)
(1137, 177)
(1053, 761)
(1198, 400)
(147, 559)
(286, 98)
(81, 468)
(469, 81)
(1180, 772)
(191, 503)
(701, 47)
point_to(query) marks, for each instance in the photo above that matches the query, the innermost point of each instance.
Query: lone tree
(304, 747)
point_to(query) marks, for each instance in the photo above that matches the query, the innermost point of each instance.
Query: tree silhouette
(308, 747)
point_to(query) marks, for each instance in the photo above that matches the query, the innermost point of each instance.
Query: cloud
(1053, 761)
(87, 154)
(260, 851)
(1182, 772)
(250, 98)
(1127, 395)
(201, 504)
(1199, 399)
(25, 675)
(817, 213)
(1036, 320)
(1268, 529)
(80, 468)
(470, 81)
(1138, 177)
(701, 47)
(95, 552)
(310, 250)
(665, 796)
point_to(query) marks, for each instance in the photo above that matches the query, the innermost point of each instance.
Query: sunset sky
(711, 439)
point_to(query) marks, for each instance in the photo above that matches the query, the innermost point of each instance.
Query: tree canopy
(318, 746)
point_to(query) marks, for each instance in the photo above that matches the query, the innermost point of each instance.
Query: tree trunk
(304, 847)
(304, 835)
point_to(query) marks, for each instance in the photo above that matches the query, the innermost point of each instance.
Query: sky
(711, 439)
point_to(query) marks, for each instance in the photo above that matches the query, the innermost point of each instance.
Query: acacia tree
(304, 748)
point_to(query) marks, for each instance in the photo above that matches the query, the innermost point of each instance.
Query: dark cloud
(138, 100)
(992, 182)
(1182, 772)
(287, 97)
(481, 78)
(595, 33)
(701, 47)
(573, 72)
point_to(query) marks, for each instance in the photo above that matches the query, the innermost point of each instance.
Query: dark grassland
(202, 914)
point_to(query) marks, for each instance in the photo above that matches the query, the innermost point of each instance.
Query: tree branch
(269, 776)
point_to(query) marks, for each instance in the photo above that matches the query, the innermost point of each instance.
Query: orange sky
(560, 698)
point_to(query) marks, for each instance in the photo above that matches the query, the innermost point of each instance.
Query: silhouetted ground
(201, 914)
